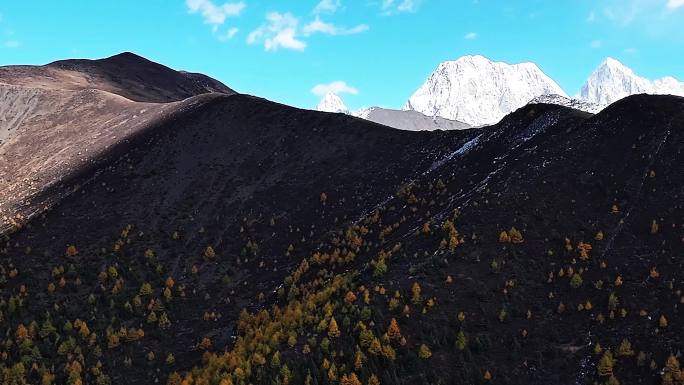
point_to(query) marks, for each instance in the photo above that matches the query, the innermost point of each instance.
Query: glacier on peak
(478, 91)
(332, 103)
(612, 81)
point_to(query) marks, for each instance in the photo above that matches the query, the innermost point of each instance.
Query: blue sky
(375, 52)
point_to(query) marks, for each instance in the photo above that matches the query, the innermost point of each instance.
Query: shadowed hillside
(226, 239)
(60, 119)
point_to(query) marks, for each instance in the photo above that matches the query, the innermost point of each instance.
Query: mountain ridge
(230, 239)
(120, 74)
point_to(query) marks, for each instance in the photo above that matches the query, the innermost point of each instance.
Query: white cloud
(319, 26)
(280, 31)
(213, 14)
(229, 34)
(407, 6)
(672, 4)
(391, 7)
(336, 87)
(470, 36)
(596, 44)
(328, 6)
(12, 44)
(657, 19)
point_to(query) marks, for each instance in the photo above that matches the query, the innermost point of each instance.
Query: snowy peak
(475, 91)
(332, 103)
(612, 81)
(478, 91)
(615, 65)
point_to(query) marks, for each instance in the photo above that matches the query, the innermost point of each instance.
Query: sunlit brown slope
(58, 120)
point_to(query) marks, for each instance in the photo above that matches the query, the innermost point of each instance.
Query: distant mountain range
(612, 81)
(475, 91)
(401, 119)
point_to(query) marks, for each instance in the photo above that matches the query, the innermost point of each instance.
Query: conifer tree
(625, 349)
(424, 352)
(416, 290)
(393, 331)
(333, 330)
(461, 341)
(606, 364)
(373, 380)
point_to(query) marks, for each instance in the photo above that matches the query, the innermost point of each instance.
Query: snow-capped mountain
(332, 103)
(669, 86)
(475, 91)
(612, 81)
(577, 104)
(478, 91)
(400, 119)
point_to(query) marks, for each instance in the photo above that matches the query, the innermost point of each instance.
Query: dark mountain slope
(592, 265)
(263, 244)
(560, 183)
(59, 119)
(236, 173)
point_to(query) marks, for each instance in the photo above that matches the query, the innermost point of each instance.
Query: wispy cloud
(622, 15)
(8, 34)
(470, 36)
(229, 34)
(280, 31)
(631, 50)
(657, 19)
(391, 7)
(596, 44)
(627, 12)
(215, 15)
(672, 4)
(319, 26)
(336, 87)
(284, 30)
(328, 6)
